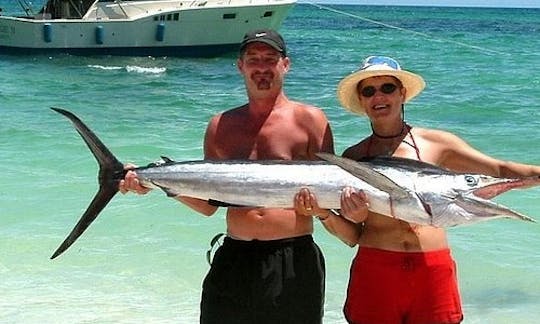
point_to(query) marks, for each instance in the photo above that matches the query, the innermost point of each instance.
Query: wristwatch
(330, 212)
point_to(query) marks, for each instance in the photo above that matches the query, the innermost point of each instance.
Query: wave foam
(131, 68)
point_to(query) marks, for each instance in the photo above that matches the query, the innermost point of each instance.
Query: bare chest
(267, 142)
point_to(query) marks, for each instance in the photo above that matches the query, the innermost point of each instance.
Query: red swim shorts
(387, 287)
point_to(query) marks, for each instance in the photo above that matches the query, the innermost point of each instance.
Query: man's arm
(200, 205)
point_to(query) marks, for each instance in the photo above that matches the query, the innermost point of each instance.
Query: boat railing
(202, 3)
(198, 3)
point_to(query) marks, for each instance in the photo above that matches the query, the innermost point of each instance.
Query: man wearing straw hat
(402, 273)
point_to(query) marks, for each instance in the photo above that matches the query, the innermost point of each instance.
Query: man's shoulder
(234, 111)
(303, 106)
(304, 109)
(225, 118)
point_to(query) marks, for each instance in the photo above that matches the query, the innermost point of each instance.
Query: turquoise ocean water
(143, 259)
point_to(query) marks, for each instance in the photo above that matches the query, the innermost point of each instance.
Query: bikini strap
(413, 145)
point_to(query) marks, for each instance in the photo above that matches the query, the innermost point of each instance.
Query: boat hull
(176, 51)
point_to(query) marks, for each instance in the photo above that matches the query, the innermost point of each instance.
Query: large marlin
(409, 190)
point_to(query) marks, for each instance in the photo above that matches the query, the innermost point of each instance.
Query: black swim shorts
(280, 281)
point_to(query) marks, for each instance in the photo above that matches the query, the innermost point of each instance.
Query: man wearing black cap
(268, 269)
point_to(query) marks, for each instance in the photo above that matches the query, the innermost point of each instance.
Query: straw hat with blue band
(377, 66)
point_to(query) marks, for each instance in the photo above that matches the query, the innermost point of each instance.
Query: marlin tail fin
(111, 171)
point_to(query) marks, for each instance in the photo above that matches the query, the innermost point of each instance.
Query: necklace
(390, 150)
(403, 125)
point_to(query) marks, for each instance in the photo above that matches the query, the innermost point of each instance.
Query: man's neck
(263, 106)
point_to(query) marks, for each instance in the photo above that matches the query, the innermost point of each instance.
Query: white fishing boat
(134, 27)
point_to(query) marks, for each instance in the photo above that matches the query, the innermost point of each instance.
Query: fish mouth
(490, 187)
(477, 201)
(485, 209)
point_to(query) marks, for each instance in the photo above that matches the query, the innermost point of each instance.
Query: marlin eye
(471, 181)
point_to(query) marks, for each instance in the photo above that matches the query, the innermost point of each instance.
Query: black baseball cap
(267, 36)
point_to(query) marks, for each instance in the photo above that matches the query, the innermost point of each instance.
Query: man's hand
(131, 182)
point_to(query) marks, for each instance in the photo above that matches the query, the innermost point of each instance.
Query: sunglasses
(386, 88)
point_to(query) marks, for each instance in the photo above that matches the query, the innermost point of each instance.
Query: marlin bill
(408, 190)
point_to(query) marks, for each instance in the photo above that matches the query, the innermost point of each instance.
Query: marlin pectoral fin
(218, 203)
(99, 202)
(425, 205)
(367, 174)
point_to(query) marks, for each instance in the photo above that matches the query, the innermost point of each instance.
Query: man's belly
(266, 224)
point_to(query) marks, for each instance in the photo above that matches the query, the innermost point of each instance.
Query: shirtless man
(268, 270)
(402, 273)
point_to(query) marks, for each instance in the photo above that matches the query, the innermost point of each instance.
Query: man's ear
(286, 63)
(239, 64)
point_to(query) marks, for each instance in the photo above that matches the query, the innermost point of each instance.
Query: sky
(454, 3)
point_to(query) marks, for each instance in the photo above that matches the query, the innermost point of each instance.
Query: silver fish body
(269, 184)
(408, 190)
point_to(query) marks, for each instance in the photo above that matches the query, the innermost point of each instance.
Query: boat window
(229, 16)
(177, 16)
(268, 14)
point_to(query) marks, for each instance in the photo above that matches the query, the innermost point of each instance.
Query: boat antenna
(26, 7)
